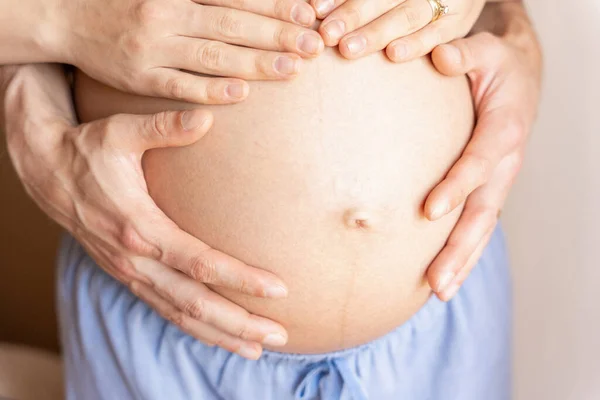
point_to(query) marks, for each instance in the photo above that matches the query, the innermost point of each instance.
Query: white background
(552, 218)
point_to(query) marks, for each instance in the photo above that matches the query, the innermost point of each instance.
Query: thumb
(470, 54)
(163, 129)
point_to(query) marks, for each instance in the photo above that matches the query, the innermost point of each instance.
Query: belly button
(355, 218)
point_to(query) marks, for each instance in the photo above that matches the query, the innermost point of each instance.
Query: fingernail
(356, 44)
(276, 292)
(324, 6)
(191, 120)
(249, 351)
(451, 291)
(302, 14)
(275, 339)
(452, 53)
(400, 51)
(235, 91)
(444, 281)
(309, 43)
(285, 65)
(439, 210)
(335, 29)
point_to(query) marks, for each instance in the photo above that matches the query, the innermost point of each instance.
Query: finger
(200, 303)
(420, 43)
(183, 252)
(199, 330)
(403, 20)
(296, 11)
(453, 288)
(478, 52)
(473, 224)
(324, 7)
(139, 133)
(481, 210)
(184, 86)
(498, 133)
(217, 58)
(353, 14)
(251, 30)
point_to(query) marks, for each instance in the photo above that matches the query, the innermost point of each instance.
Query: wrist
(36, 95)
(30, 32)
(52, 33)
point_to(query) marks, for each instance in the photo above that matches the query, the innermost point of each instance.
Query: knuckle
(228, 25)
(175, 88)
(281, 8)
(178, 318)
(214, 93)
(412, 17)
(134, 287)
(149, 12)
(202, 269)
(244, 285)
(134, 44)
(196, 309)
(159, 124)
(212, 56)
(242, 332)
(264, 65)
(168, 292)
(130, 239)
(122, 267)
(280, 36)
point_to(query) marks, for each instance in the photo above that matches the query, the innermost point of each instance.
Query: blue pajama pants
(117, 348)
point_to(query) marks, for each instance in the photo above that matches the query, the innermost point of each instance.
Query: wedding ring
(438, 9)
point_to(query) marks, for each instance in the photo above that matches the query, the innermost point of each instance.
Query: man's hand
(505, 73)
(89, 179)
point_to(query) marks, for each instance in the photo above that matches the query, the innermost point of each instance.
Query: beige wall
(553, 215)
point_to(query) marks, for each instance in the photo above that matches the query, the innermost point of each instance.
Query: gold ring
(438, 9)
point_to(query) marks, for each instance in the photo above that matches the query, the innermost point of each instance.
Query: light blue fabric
(117, 348)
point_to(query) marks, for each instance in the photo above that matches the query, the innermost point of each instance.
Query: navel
(358, 218)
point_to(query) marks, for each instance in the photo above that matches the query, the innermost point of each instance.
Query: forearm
(29, 31)
(508, 19)
(34, 97)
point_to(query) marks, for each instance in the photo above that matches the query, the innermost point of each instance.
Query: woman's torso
(322, 181)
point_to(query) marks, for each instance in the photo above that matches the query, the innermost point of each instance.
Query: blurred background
(552, 221)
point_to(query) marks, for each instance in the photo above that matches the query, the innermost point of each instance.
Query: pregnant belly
(320, 180)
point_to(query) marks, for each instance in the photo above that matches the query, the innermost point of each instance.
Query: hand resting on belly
(320, 180)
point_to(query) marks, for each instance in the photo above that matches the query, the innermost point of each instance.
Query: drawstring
(329, 380)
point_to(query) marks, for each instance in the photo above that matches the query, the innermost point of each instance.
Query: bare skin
(320, 181)
(506, 67)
